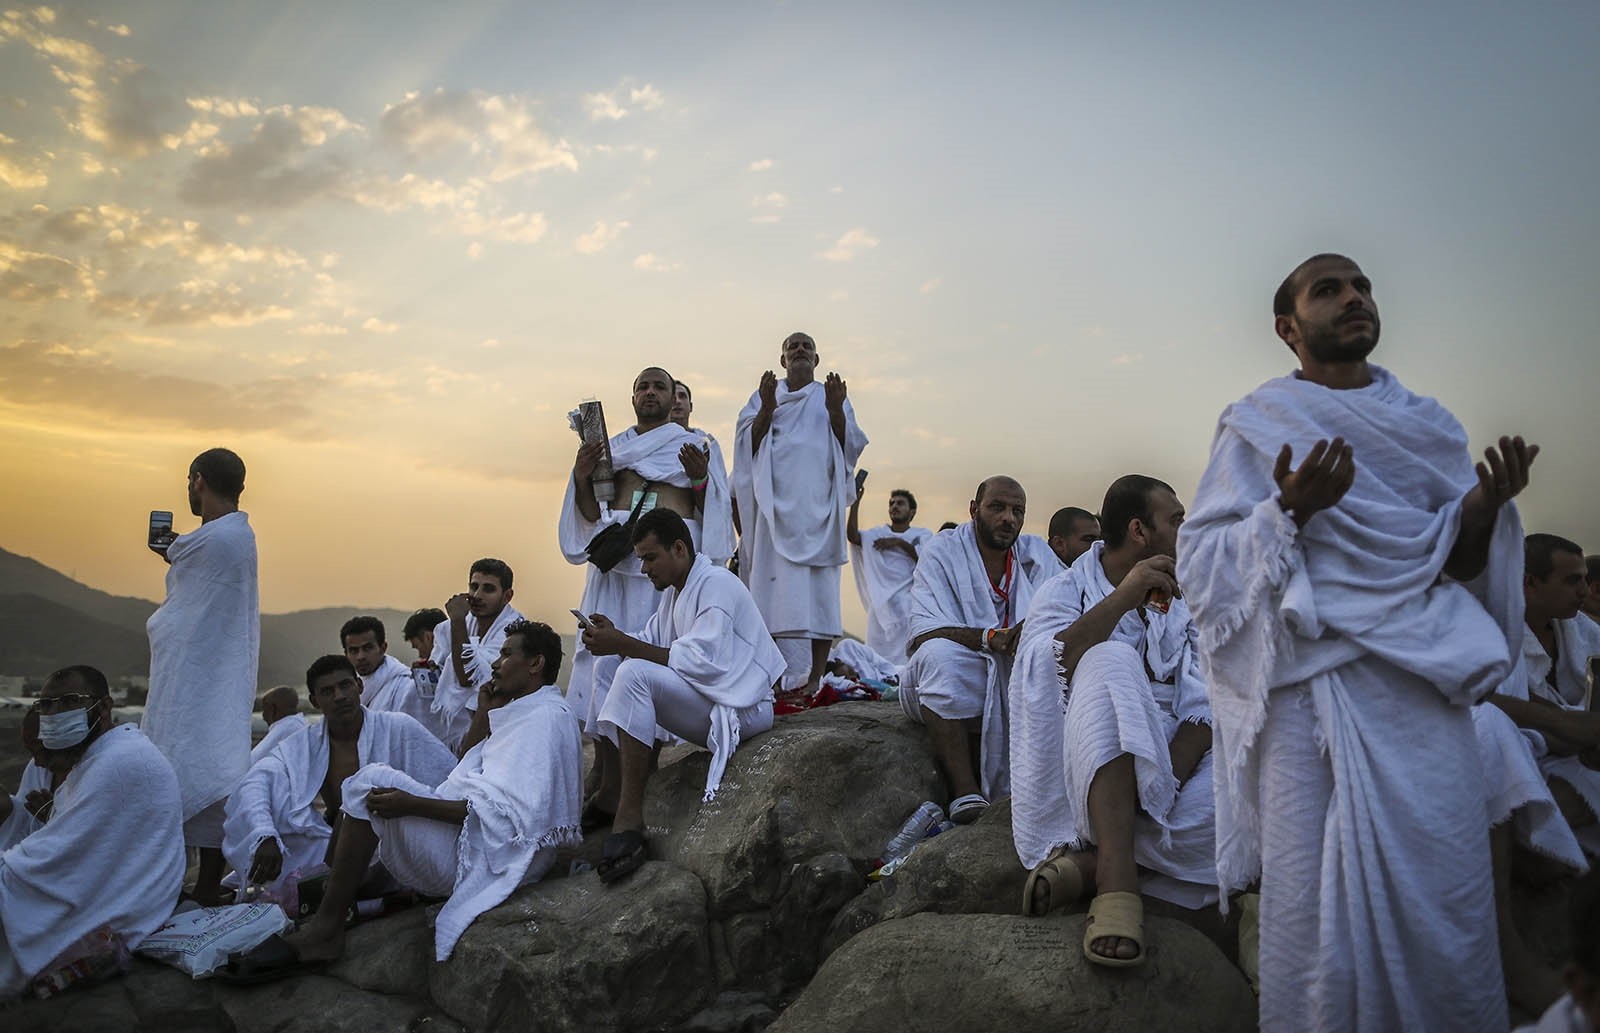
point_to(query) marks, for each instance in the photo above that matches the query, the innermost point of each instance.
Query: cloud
(501, 128)
(374, 325)
(18, 176)
(848, 246)
(519, 227)
(839, 296)
(617, 104)
(321, 330)
(772, 200)
(599, 238)
(36, 276)
(1128, 359)
(60, 379)
(761, 164)
(766, 220)
(931, 286)
(652, 263)
(281, 165)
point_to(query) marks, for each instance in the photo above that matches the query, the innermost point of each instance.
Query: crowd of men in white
(1344, 680)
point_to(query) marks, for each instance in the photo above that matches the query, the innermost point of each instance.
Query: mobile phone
(160, 530)
(583, 622)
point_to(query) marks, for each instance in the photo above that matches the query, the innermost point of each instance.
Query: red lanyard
(1003, 589)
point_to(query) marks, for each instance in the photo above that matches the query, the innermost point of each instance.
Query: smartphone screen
(160, 530)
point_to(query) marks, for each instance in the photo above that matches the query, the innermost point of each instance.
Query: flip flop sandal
(1119, 915)
(1061, 878)
(273, 959)
(623, 854)
(965, 810)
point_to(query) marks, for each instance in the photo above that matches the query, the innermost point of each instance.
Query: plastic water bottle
(914, 831)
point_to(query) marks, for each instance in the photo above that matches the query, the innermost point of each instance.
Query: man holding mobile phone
(205, 643)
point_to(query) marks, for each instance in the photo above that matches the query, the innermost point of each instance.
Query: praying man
(205, 642)
(883, 558)
(969, 598)
(1111, 732)
(658, 464)
(795, 451)
(704, 668)
(466, 643)
(493, 824)
(111, 853)
(1356, 584)
(273, 829)
(386, 683)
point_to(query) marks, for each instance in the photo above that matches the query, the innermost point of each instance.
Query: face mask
(64, 730)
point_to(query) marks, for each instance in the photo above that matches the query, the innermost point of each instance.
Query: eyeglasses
(66, 701)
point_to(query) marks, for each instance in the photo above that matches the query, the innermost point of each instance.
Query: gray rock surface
(322, 1004)
(935, 973)
(574, 954)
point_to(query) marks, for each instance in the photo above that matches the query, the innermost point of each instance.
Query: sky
(380, 250)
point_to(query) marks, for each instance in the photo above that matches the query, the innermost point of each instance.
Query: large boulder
(838, 780)
(320, 1004)
(573, 954)
(934, 973)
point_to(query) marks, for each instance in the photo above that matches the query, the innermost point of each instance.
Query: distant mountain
(51, 621)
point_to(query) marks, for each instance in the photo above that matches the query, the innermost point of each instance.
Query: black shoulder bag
(608, 548)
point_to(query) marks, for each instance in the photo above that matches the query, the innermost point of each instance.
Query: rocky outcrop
(935, 973)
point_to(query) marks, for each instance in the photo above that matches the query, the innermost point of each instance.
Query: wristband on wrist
(988, 639)
(698, 485)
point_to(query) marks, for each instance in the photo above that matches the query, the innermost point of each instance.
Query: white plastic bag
(200, 940)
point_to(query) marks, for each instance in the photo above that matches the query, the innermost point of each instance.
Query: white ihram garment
(883, 580)
(453, 702)
(792, 497)
(524, 790)
(718, 650)
(952, 589)
(205, 641)
(20, 824)
(279, 730)
(392, 688)
(1577, 639)
(277, 799)
(1342, 667)
(1517, 792)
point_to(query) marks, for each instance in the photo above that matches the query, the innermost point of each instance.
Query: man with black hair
(969, 597)
(658, 464)
(883, 558)
(1122, 780)
(205, 643)
(795, 450)
(1550, 699)
(386, 683)
(465, 644)
(493, 824)
(1351, 609)
(1072, 531)
(111, 854)
(418, 631)
(274, 830)
(703, 667)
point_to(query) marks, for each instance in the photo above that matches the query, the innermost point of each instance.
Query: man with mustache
(273, 829)
(466, 643)
(969, 597)
(1356, 584)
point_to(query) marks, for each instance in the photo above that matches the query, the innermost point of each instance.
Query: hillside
(52, 621)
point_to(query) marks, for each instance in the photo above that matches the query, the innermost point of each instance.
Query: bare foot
(316, 941)
(1115, 947)
(1042, 901)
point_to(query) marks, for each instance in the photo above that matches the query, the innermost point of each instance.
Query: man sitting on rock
(1123, 780)
(111, 854)
(273, 829)
(704, 668)
(29, 808)
(969, 597)
(492, 825)
(280, 709)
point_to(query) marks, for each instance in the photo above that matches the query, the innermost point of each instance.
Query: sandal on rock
(623, 854)
(1115, 915)
(1063, 883)
(964, 810)
(273, 959)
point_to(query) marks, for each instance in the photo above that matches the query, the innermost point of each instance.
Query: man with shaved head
(969, 597)
(1356, 583)
(658, 464)
(280, 709)
(795, 449)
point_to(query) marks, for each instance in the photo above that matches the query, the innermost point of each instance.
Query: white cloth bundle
(867, 663)
(716, 641)
(1516, 790)
(952, 589)
(205, 642)
(279, 730)
(524, 791)
(111, 854)
(883, 580)
(277, 799)
(454, 702)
